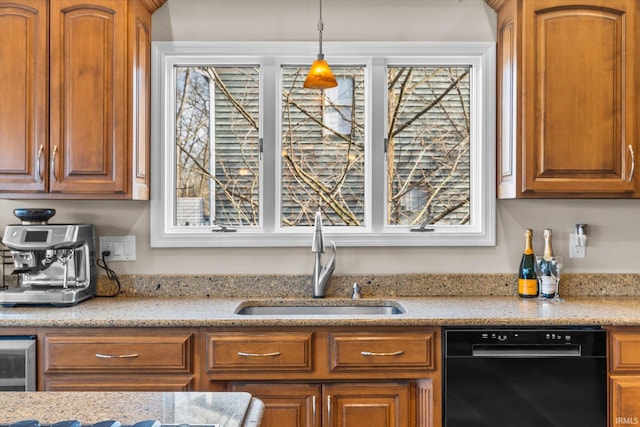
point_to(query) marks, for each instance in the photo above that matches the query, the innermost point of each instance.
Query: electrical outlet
(576, 251)
(121, 248)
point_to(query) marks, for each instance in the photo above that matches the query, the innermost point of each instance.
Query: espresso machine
(55, 263)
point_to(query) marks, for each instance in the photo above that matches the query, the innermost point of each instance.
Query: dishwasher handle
(525, 350)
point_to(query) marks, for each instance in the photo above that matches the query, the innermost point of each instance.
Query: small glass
(549, 280)
(557, 265)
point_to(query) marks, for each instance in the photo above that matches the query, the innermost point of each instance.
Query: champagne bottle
(547, 280)
(527, 279)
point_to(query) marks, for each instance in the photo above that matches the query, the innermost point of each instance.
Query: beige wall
(344, 20)
(614, 237)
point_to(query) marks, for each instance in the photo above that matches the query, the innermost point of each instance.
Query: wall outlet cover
(576, 251)
(121, 248)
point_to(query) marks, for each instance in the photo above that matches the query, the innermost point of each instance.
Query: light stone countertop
(224, 409)
(419, 311)
(428, 299)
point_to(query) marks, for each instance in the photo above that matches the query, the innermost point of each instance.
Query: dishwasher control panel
(462, 341)
(517, 336)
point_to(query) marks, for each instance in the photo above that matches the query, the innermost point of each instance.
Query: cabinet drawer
(122, 382)
(273, 351)
(126, 353)
(386, 351)
(625, 351)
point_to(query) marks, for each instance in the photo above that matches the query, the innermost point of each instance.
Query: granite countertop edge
(228, 409)
(101, 312)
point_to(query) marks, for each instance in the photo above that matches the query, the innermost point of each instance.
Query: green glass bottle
(527, 278)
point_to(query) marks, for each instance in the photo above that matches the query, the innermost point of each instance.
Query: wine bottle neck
(528, 246)
(548, 249)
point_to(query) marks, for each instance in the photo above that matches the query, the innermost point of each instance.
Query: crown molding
(153, 5)
(495, 4)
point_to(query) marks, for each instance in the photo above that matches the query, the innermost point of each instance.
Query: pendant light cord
(320, 28)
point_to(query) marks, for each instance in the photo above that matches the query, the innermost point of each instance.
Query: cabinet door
(286, 405)
(88, 96)
(24, 98)
(624, 406)
(367, 405)
(139, 94)
(579, 70)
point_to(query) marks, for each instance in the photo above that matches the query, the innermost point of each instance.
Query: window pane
(338, 107)
(323, 149)
(217, 146)
(428, 152)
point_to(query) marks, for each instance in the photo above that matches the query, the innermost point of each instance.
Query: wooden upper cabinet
(88, 121)
(24, 69)
(86, 134)
(566, 98)
(139, 95)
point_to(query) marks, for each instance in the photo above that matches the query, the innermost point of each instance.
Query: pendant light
(320, 75)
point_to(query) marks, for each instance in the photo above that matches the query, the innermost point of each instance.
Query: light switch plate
(121, 248)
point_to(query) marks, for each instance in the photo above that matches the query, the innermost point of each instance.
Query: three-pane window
(403, 145)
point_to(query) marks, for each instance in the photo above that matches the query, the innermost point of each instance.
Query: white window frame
(270, 56)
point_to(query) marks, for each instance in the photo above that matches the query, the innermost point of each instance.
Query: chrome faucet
(321, 275)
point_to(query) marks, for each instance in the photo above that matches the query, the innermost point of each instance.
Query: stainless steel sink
(315, 308)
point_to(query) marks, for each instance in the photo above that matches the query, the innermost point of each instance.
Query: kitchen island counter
(223, 409)
(419, 311)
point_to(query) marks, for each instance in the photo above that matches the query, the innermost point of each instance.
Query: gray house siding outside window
(323, 166)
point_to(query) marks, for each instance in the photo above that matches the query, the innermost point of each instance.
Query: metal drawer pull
(633, 162)
(371, 353)
(117, 356)
(275, 353)
(38, 171)
(313, 412)
(53, 163)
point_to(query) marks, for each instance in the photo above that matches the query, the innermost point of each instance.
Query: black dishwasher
(528, 377)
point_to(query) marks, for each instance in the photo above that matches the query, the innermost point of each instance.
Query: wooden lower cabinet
(366, 404)
(306, 376)
(119, 383)
(286, 404)
(112, 359)
(624, 400)
(331, 377)
(624, 376)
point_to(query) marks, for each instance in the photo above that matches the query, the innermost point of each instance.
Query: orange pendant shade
(320, 76)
